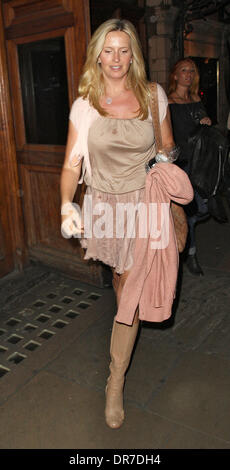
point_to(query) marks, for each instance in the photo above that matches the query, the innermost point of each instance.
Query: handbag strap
(154, 106)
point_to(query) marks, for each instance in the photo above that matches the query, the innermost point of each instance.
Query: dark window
(101, 11)
(44, 91)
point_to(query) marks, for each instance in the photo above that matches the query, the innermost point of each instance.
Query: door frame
(15, 254)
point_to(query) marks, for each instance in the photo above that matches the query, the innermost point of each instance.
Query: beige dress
(118, 150)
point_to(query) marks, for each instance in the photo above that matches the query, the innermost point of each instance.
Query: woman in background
(187, 113)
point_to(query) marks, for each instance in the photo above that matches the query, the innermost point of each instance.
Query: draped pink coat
(152, 281)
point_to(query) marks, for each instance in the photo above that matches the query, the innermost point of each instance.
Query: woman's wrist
(168, 155)
(66, 201)
(66, 208)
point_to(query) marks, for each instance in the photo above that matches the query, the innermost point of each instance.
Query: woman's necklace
(108, 100)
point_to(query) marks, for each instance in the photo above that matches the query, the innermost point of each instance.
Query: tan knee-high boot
(122, 342)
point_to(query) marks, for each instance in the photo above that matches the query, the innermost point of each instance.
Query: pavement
(54, 356)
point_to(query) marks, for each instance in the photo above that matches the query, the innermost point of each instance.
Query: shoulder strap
(155, 114)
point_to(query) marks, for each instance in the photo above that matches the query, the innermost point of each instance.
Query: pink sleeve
(82, 116)
(75, 115)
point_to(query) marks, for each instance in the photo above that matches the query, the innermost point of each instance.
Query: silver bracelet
(163, 156)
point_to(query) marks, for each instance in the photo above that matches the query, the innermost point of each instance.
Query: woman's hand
(206, 120)
(71, 220)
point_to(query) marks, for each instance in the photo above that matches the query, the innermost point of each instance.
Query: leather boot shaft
(122, 342)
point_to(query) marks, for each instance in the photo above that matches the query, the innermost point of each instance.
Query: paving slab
(151, 364)
(53, 413)
(86, 360)
(196, 394)
(213, 244)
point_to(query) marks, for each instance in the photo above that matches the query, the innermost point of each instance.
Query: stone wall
(161, 21)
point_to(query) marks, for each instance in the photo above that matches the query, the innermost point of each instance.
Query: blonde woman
(110, 140)
(187, 113)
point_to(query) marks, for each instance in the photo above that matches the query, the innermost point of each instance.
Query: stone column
(161, 20)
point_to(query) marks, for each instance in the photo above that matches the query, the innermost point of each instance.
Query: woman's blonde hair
(91, 84)
(194, 88)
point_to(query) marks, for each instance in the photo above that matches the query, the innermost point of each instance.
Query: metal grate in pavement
(25, 330)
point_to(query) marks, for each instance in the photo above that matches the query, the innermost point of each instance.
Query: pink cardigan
(151, 283)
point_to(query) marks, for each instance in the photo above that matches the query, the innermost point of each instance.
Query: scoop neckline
(192, 102)
(120, 119)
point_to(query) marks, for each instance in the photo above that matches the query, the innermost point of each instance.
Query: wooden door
(46, 44)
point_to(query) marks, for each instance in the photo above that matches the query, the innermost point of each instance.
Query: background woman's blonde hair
(194, 88)
(91, 84)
